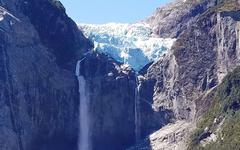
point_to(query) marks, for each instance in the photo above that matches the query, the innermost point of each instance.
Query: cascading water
(83, 139)
(134, 45)
(137, 111)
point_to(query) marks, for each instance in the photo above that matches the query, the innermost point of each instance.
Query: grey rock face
(227, 29)
(39, 99)
(170, 137)
(112, 91)
(206, 49)
(39, 48)
(171, 20)
(56, 30)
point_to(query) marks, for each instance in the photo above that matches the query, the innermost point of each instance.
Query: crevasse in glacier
(131, 44)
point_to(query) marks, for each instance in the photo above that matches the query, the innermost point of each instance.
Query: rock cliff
(111, 92)
(206, 50)
(39, 105)
(39, 98)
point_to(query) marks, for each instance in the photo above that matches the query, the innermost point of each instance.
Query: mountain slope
(206, 49)
(156, 108)
(39, 98)
(172, 19)
(219, 127)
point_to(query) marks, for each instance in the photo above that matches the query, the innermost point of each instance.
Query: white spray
(137, 111)
(83, 139)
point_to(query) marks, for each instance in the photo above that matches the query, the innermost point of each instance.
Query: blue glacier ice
(132, 44)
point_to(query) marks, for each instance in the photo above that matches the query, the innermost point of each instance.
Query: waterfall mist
(137, 111)
(83, 140)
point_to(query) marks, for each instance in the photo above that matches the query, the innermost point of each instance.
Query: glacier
(134, 45)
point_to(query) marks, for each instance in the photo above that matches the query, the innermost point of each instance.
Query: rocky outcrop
(206, 49)
(39, 99)
(172, 19)
(171, 136)
(219, 127)
(55, 29)
(112, 91)
(40, 47)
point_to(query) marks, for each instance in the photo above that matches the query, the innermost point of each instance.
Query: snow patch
(1, 18)
(131, 44)
(4, 12)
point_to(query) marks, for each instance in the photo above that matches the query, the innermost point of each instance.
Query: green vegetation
(226, 105)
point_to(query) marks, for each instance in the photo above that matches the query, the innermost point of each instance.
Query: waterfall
(137, 111)
(238, 40)
(83, 139)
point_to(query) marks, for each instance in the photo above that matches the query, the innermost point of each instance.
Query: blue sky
(104, 11)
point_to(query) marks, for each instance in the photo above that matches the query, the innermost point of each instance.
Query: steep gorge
(43, 101)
